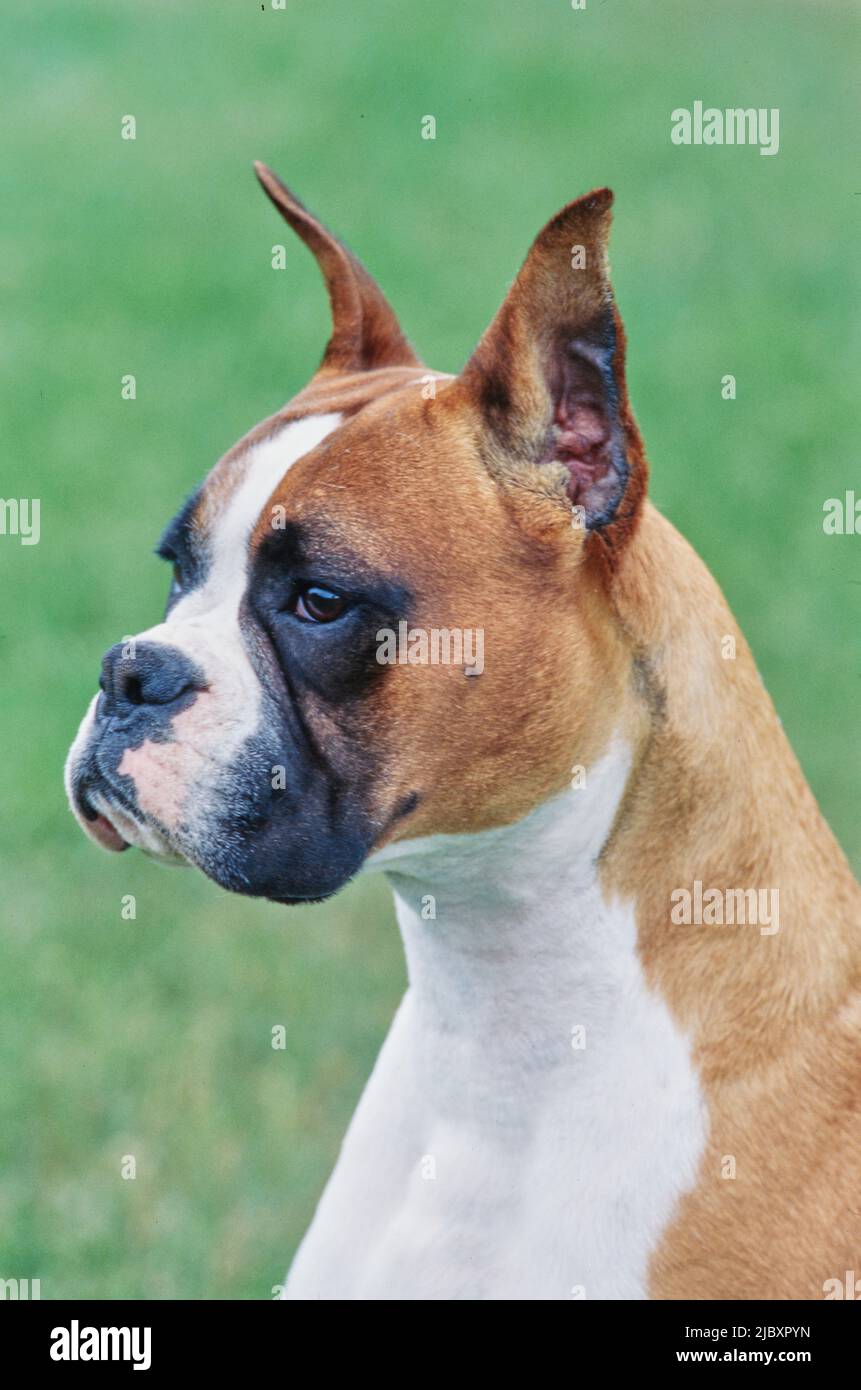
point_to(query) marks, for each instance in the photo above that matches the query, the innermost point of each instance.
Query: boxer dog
(628, 1063)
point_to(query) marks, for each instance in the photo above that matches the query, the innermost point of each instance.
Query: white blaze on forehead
(267, 463)
(263, 468)
(219, 597)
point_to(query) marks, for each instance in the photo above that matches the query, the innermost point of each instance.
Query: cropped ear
(548, 377)
(365, 331)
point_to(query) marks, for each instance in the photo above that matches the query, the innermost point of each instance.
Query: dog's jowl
(586, 1091)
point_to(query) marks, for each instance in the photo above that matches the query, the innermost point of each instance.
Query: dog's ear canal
(549, 374)
(365, 331)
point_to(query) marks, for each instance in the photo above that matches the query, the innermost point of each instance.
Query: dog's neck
(510, 944)
(529, 1068)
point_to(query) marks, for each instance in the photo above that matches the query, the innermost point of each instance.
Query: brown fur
(719, 797)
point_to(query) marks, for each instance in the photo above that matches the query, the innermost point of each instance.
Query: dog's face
(387, 609)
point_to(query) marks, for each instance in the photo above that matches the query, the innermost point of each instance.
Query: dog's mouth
(103, 831)
(99, 816)
(101, 812)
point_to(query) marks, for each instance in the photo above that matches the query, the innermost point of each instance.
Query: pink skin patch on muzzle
(163, 773)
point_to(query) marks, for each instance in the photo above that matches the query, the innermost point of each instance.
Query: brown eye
(318, 605)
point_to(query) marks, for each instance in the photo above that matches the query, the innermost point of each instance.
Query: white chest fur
(533, 1115)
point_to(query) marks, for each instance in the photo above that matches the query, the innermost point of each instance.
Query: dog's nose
(145, 674)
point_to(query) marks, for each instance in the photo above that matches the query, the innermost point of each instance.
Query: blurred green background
(152, 1037)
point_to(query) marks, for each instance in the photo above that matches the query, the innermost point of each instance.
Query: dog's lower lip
(100, 827)
(106, 834)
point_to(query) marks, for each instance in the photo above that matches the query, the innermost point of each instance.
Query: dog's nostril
(131, 690)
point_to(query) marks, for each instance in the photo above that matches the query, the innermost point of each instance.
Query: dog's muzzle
(142, 689)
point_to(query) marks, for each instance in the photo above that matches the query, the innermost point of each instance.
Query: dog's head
(387, 615)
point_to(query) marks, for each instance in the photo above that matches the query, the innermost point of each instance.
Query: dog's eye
(318, 605)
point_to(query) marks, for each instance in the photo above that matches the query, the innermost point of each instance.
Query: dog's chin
(265, 866)
(242, 880)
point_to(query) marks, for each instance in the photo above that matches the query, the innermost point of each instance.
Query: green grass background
(152, 1037)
